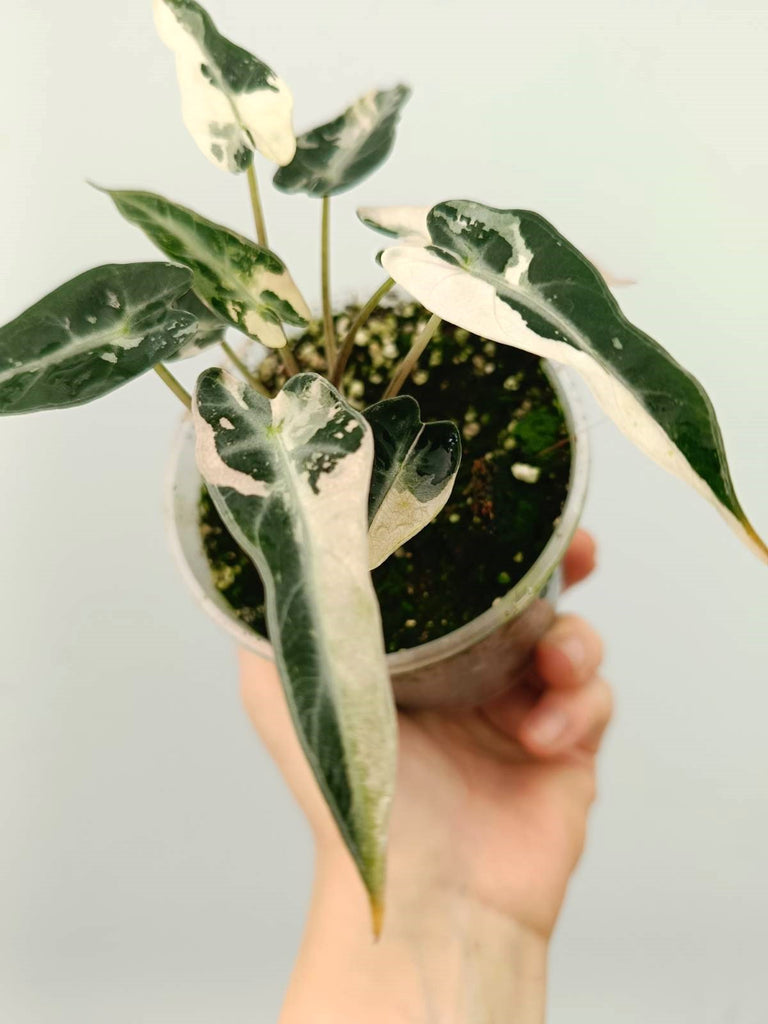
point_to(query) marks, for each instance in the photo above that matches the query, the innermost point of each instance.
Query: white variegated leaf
(510, 276)
(232, 103)
(409, 224)
(245, 284)
(338, 155)
(414, 470)
(290, 479)
(92, 335)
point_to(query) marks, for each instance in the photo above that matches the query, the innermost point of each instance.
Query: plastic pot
(466, 667)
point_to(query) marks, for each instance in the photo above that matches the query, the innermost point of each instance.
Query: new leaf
(414, 469)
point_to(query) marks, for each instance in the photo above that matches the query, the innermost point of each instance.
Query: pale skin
(488, 824)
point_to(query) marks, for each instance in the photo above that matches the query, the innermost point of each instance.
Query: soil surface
(508, 494)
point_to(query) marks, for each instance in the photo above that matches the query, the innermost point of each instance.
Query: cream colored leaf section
(467, 301)
(226, 119)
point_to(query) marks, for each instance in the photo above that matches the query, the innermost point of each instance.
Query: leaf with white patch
(409, 224)
(510, 276)
(211, 329)
(246, 284)
(290, 479)
(336, 156)
(232, 103)
(93, 334)
(414, 469)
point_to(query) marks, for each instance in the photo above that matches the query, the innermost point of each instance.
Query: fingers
(569, 653)
(568, 719)
(580, 558)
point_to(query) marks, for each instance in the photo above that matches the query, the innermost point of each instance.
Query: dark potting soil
(508, 494)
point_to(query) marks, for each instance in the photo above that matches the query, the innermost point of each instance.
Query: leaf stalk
(173, 385)
(239, 365)
(325, 255)
(360, 320)
(258, 212)
(405, 368)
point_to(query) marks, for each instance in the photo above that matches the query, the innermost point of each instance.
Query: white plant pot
(463, 668)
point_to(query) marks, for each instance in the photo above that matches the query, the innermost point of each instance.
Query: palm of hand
(491, 805)
(485, 817)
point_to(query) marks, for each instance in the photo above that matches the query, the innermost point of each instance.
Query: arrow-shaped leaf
(510, 276)
(244, 283)
(211, 329)
(91, 335)
(338, 155)
(290, 479)
(232, 103)
(414, 469)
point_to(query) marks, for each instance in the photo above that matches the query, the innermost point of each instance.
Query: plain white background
(152, 867)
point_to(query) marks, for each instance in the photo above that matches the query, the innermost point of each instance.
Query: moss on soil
(509, 491)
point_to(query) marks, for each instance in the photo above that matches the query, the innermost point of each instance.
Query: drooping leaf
(338, 155)
(510, 276)
(244, 283)
(232, 103)
(91, 335)
(415, 466)
(211, 329)
(290, 479)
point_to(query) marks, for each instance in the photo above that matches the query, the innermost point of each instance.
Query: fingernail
(547, 727)
(573, 648)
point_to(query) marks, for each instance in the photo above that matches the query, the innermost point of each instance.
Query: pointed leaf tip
(290, 478)
(377, 916)
(510, 276)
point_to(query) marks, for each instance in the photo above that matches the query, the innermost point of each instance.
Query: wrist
(442, 958)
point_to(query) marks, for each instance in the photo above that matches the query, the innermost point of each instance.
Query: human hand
(488, 822)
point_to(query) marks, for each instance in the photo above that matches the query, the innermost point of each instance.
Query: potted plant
(341, 451)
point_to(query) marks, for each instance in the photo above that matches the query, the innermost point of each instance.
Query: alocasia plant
(315, 492)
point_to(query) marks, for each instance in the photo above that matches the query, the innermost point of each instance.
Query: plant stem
(349, 341)
(258, 213)
(330, 336)
(412, 357)
(238, 363)
(168, 379)
(290, 365)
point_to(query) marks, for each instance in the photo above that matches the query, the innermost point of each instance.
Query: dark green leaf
(93, 334)
(338, 155)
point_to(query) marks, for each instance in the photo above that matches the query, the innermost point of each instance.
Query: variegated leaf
(211, 329)
(232, 103)
(338, 155)
(414, 468)
(244, 283)
(409, 224)
(510, 276)
(290, 479)
(91, 335)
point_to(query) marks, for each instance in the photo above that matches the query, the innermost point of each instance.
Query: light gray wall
(152, 869)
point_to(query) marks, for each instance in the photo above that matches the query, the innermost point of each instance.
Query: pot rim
(187, 548)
